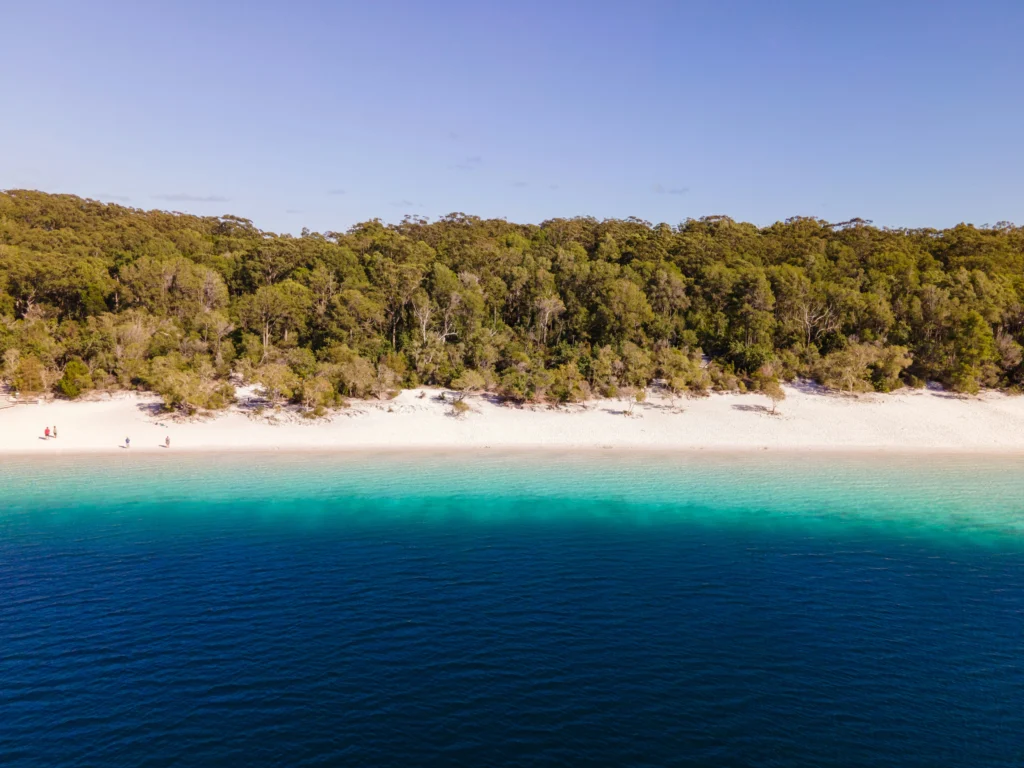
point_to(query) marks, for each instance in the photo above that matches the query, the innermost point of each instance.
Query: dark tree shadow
(623, 412)
(669, 406)
(751, 408)
(153, 409)
(252, 404)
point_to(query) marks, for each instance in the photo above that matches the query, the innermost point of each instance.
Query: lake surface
(490, 609)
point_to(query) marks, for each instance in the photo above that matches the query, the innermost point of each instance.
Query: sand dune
(807, 420)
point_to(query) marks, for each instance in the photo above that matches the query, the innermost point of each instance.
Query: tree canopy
(96, 295)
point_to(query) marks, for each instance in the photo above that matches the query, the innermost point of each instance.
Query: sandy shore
(807, 420)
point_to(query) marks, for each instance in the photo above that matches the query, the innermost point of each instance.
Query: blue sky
(323, 114)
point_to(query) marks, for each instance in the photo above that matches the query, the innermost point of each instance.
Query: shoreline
(524, 449)
(807, 422)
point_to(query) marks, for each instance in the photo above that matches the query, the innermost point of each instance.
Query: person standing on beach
(47, 433)
(167, 442)
(127, 442)
(55, 433)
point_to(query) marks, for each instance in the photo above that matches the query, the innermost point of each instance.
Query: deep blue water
(512, 610)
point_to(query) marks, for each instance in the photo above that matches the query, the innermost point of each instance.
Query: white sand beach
(921, 420)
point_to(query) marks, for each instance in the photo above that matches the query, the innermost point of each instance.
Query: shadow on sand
(751, 408)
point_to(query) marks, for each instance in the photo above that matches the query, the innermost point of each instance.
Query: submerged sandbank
(982, 497)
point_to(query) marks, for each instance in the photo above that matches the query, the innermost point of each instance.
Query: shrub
(76, 379)
(774, 391)
(514, 385)
(29, 375)
(468, 382)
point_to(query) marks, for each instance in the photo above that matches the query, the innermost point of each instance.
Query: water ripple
(512, 612)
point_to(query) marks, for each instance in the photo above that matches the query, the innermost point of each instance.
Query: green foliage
(76, 379)
(318, 393)
(29, 375)
(775, 392)
(862, 367)
(96, 295)
(568, 385)
(469, 382)
(682, 372)
(188, 386)
(515, 385)
(889, 366)
(277, 380)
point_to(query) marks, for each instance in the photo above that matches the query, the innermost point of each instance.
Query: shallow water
(512, 609)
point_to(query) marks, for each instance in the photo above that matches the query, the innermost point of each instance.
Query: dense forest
(98, 296)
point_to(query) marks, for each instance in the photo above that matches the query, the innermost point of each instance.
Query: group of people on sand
(49, 432)
(128, 442)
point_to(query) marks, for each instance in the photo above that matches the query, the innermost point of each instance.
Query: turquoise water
(512, 609)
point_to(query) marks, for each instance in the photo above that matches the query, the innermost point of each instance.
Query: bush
(774, 391)
(468, 382)
(315, 413)
(357, 377)
(514, 385)
(848, 369)
(76, 379)
(29, 375)
(187, 389)
(722, 379)
(750, 357)
(965, 380)
(317, 393)
(886, 370)
(568, 386)
(278, 381)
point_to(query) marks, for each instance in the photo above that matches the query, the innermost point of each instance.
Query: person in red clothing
(47, 432)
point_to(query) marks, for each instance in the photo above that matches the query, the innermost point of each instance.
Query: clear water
(489, 609)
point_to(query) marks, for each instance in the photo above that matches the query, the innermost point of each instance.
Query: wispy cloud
(661, 189)
(186, 197)
(552, 186)
(337, 191)
(292, 210)
(116, 198)
(453, 136)
(520, 184)
(469, 164)
(405, 204)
